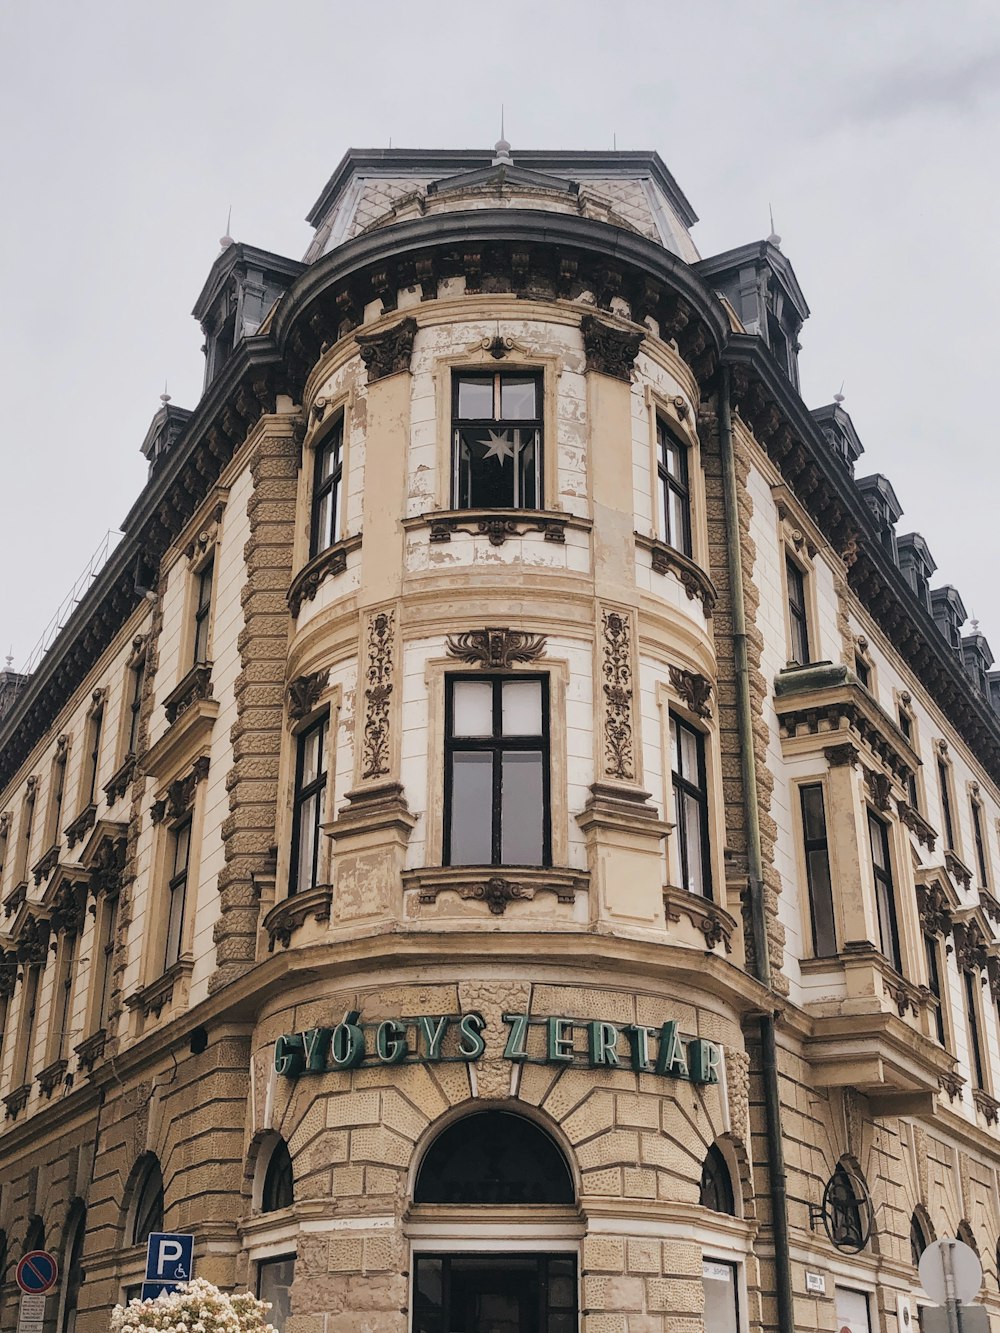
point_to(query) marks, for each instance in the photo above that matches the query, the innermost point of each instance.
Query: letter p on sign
(169, 1257)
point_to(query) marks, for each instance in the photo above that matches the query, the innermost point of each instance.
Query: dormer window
(497, 440)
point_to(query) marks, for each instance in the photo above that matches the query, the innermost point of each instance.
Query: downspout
(755, 869)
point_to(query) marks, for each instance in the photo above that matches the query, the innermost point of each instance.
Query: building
(509, 839)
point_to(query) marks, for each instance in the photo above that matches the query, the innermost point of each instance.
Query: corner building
(508, 840)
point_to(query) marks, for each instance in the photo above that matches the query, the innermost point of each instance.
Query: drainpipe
(755, 869)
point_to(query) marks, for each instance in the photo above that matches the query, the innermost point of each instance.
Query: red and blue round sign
(37, 1272)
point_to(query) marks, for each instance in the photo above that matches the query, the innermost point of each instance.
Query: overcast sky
(871, 126)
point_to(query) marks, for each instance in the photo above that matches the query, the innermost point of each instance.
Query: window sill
(15, 898)
(82, 824)
(193, 688)
(51, 1075)
(497, 524)
(957, 868)
(496, 886)
(45, 866)
(917, 824)
(166, 991)
(121, 780)
(327, 564)
(291, 914)
(91, 1049)
(713, 921)
(988, 1106)
(690, 575)
(16, 1101)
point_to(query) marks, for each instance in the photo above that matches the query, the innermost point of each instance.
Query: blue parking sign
(169, 1258)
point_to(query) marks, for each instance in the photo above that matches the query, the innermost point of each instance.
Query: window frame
(937, 985)
(822, 845)
(976, 1029)
(884, 878)
(497, 422)
(497, 745)
(301, 796)
(797, 614)
(178, 880)
(23, 1068)
(103, 950)
(949, 825)
(331, 484)
(133, 706)
(980, 841)
(92, 753)
(668, 485)
(57, 797)
(700, 796)
(201, 610)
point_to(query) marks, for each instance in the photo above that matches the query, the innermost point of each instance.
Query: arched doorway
(491, 1194)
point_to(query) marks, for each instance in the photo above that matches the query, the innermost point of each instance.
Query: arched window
(279, 1181)
(493, 1157)
(148, 1215)
(35, 1239)
(918, 1239)
(72, 1275)
(966, 1234)
(716, 1183)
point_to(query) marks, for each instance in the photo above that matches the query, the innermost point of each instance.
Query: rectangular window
(93, 757)
(203, 613)
(977, 832)
(26, 1034)
(687, 765)
(63, 996)
(104, 959)
(134, 707)
(327, 490)
(54, 816)
(797, 619)
(722, 1299)
(497, 441)
(496, 771)
(24, 838)
(885, 899)
(975, 1031)
(180, 859)
(817, 854)
(863, 672)
(274, 1284)
(945, 787)
(675, 496)
(934, 985)
(310, 790)
(852, 1310)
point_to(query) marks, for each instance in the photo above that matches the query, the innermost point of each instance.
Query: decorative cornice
(46, 864)
(610, 350)
(951, 1083)
(989, 1106)
(15, 898)
(694, 690)
(108, 867)
(844, 755)
(16, 1101)
(957, 868)
(692, 578)
(196, 685)
(82, 824)
(91, 1049)
(714, 922)
(206, 537)
(496, 648)
(303, 693)
(68, 907)
(290, 914)
(973, 950)
(179, 796)
(32, 943)
(375, 742)
(879, 788)
(935, 908)
(8, 973)
(495, 886)
(917, 824)
(52, 1074)
(328, 564)
(388, 352)
(497, 524)
(121, 780)
(159, 995)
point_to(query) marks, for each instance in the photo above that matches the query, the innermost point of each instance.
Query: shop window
(493, 1157)
(690, 791)
(974, 1024)
(852, 1310)
(203, 612)
(798, 618)
(496, 1292)
(279, 1180)
(885, 897)
(496, 808)
(674, 489)
(497, 441)
(147, 1215)
(716, 1190)
(274, 1285)
(328, 489)
(309, 800)
(177, 887)
(818, 880)
(722, 1297)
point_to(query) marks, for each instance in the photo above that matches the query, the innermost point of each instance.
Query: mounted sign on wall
(458, 1038)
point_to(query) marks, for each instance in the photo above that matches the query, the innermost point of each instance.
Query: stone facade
(712, 648)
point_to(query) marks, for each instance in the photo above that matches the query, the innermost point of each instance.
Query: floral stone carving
(388, 352)
(496, 647)
(609, 350)
(378, 695)
(616, 667)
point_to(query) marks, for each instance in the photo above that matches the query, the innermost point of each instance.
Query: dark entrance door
(495, 1293)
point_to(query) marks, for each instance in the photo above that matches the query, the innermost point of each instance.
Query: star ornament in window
(498, 447)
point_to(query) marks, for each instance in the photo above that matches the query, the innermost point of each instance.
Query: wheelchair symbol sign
(169, 1257)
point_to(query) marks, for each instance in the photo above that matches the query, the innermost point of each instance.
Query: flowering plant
(195, 1307)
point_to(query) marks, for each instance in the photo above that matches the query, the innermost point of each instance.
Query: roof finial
(774, 239)
(10, 657)
(164, 396)
(838, 397)
(226, 241)
(501, 149)
(974, 625)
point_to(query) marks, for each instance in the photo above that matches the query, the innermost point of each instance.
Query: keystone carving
(496, 647)
(179, 795)
(304, 693)
(879, 788)
(694, 690)
(609, 350)
(388, 352)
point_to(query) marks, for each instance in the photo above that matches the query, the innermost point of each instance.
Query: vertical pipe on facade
(755, 866)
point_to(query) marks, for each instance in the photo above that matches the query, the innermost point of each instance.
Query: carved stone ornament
(692, 578)
(306, 584)
(31, 945)
(903, 999)
(197, 684)
(62, 744)
(82, 824)
(497, 346)
(840, 756)
(45, 866)
(496, 648)
(120, 781)
(498, 527)
(8, 973)
(971, 948)
(610, 350)
(378, 694)
(108, 868)
(915, 822)
(388, 352)
(989, 1106)
(4, 823)
(69, 908)
(957, 868)
(91, 1049)
(52, 1075)
(616, 668)
(879, 788)
(473, 884)
(179, 796)
(207, 537)
(935, 908)
(304, 693)
(694, 690)
(952, 1084)
(287, 916)
(17, 1100)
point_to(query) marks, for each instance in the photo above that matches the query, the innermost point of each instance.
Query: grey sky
(871, 126)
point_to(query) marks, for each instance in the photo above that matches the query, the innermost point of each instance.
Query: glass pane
(175, 920)
(678, 537)
(695, 877)
(522, 809)
(323, 532)
(674, 729)
(313, 743)
(527, 470)
(428, 1295)
(877, 836)
(475, 397)
(721, 1303)
(182, 845)
(471, 808)
(472, 708)
(813, 817)
(487, 460)
(689, 756)
(274, 1282)
(821, 904)
(307, 831)
(522, 708)
(518, 400)
(664, 528)
(852, 1311)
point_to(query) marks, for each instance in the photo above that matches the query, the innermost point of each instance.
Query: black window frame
(272, 1262)
(932, 953)
(885, 892)
(970, 979)
(819, 896)
(863, 671)
(178, 881)
(497, 744)
(203, 612)
(303, 794)
(979, 839)
(149, 1203)
(278, 1187)
(94, 753)
(798, 611)
(498, 422)
(683, 789)
(327, 484)
(716, 1190)
(669, 484)
(944, 784)
(906, 727)
(138, 673)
